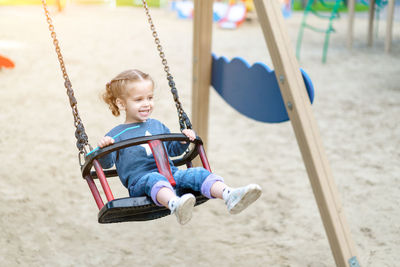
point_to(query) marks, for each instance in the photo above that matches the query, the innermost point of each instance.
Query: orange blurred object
(5, 62)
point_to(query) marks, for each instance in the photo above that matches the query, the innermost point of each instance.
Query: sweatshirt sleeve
(175, 148)
(108, 160)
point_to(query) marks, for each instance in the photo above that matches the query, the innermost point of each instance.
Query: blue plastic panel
(252, 90)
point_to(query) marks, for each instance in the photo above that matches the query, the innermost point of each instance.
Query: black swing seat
(137, 209)
(140, 208)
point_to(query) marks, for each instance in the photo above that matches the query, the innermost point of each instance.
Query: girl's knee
(208, 183)
(158, 187)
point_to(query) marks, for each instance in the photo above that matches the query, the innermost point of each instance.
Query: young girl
(132, 92)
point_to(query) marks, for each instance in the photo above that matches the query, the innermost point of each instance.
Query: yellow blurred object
(249, 5)
(92, 2)
(151, 3)
(31, 2)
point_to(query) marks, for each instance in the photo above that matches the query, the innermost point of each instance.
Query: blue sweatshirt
(134, 162)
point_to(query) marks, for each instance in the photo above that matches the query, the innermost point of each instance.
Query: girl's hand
(105, 141)
(190, 134)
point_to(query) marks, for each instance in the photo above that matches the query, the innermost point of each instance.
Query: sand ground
(48, 217)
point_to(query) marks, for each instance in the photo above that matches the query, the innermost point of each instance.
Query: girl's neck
(132, 122)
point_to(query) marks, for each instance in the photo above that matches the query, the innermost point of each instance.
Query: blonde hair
(116, 88)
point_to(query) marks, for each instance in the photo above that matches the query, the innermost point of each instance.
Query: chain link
(184, 120)
(80, 134)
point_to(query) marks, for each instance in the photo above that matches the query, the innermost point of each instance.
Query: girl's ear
(120, 103)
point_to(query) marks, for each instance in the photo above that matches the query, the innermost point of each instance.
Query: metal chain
(80, 134)
(183, 118)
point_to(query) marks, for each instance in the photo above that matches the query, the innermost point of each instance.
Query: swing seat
(142, 208)
(137, 209)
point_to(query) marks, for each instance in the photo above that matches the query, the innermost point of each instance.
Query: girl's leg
(213, 186)
(164, 195)
(157, 186)
(181, 206)
(150, 185)
(201, 180)
(217, 189)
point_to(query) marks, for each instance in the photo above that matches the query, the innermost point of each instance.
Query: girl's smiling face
(138, 101)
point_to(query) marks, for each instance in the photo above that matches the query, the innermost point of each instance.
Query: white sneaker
(240, 198)
(183, 207)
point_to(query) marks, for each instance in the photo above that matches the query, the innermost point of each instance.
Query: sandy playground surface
(48, 216)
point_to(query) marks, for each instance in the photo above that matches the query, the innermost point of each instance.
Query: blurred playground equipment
(229, 14)
(6, 62)
(331, 13)
(286, 8)
(375, 6)
(235, 15)
(330, 9)
(184, 9)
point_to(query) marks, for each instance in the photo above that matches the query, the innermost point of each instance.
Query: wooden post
(298, 105)
(202, 61)
(371, 17)
(389, 26)
(350, 25)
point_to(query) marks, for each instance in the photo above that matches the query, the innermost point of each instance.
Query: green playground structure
(328, 10)
(331, 13)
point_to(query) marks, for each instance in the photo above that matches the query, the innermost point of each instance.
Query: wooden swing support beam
(298, 106)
